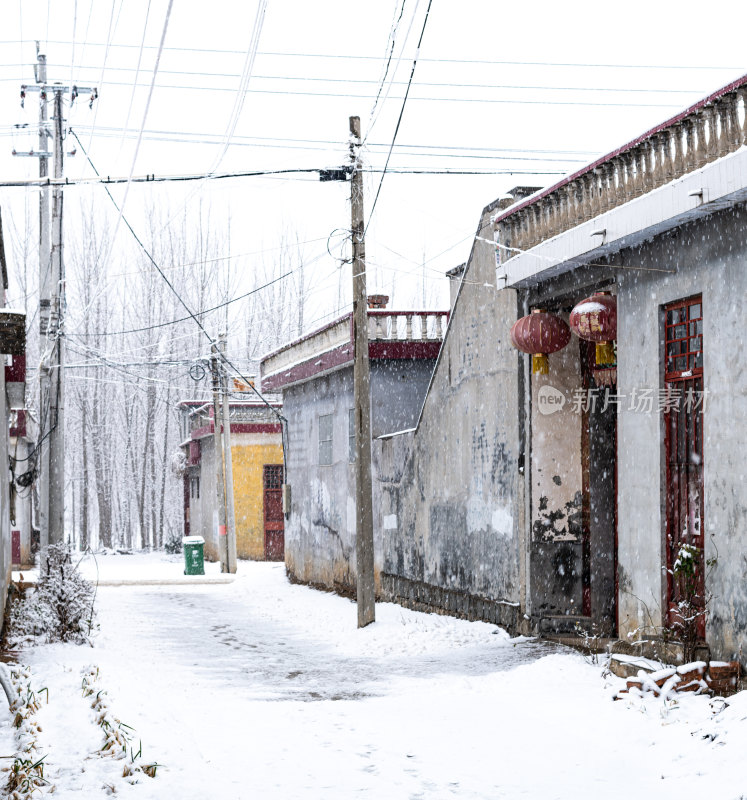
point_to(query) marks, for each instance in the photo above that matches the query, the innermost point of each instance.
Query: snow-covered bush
(59, 609)
(173, 542)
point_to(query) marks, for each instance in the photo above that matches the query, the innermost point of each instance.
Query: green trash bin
(194, 559)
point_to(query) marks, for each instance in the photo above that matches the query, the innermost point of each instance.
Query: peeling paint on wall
(503, 522)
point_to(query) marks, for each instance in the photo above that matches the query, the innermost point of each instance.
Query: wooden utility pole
(228, 461)
(364, 541)
(220, 479)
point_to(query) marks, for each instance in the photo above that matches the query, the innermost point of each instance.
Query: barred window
(325, 439)
(351, 435)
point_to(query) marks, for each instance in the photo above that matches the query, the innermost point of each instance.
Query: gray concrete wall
(203, 519)
(20, 448)
(709, 257)
(5, 544)
(398, 387)
(452, 491)
(556, 495)
(320, 533)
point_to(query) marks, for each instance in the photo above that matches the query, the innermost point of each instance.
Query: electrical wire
(142, 126)
(416, 99)
(243, 87)
(220, 354)
(358, 56)
(401, 113)
(392, 39)
(99, 180)
(437, 84)
(137, 73)
(197, 313)
(109, 34)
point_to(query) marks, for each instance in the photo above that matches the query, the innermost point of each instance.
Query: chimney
(377, 301)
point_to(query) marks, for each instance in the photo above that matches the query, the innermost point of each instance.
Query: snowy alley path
(263, 689)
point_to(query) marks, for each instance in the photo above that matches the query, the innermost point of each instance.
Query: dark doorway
(273, 512)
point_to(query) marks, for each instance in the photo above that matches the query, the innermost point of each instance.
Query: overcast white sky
(529, 87)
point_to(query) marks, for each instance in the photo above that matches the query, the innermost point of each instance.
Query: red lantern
(595, 320)
(540, 333)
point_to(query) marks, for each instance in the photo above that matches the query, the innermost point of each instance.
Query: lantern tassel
(540, 364)
(605, 353)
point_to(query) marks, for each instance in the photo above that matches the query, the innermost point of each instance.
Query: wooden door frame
(687, 380)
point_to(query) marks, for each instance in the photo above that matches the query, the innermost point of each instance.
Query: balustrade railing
(708, 130)
(405, 326)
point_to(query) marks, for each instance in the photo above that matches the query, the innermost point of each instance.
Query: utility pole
(228, 460)
(51, 304)
(56, 443)
(220, 480)
(364, 541)
(45, 291)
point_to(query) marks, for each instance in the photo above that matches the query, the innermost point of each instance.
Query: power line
(368, 144)
(106, 181)
(351, 95)
(137, 72)
(438, 84)
(142, 124)
(401, 112)
(392, 41)
(191, 315)
(171, 286)
(359, 57)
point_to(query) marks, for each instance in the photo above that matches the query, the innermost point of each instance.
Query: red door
(273, 505)
(684, 398)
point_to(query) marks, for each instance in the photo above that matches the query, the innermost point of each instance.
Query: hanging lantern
(595, 320)
(540, 333)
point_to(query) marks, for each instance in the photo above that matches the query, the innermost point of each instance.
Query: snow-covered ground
(261, 689)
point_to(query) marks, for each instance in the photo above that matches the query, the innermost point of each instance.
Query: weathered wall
(451, 508)
(398, 387)
(556, 524)
(320, 533)
(250, 452)
(203, 515)
(709, 257)
(5, 552)
(20, 448)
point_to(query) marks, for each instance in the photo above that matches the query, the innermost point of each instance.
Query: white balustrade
(709, 130)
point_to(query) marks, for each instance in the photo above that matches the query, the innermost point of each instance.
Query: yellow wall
(248, 461)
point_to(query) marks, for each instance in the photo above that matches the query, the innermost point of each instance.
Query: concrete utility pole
(54, 366)
(51, 304)
(364, 541)
(220, 479)
(45, 292)
(228, 460)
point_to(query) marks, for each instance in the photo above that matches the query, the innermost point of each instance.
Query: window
(351, 435)
(684, 339)
(194, 486)
(325, 439)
